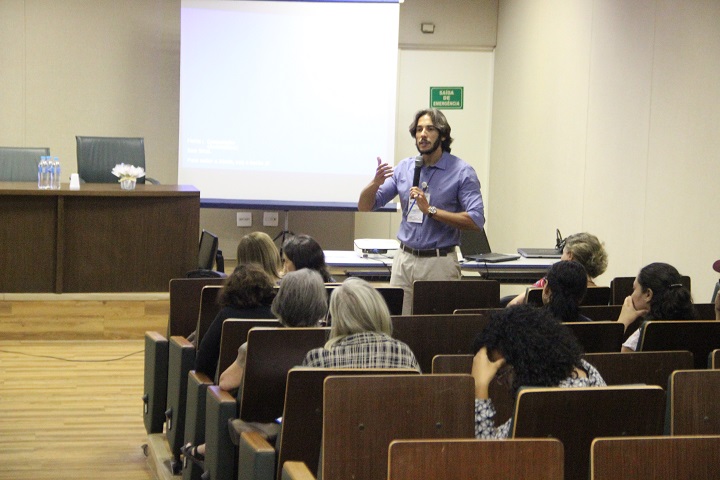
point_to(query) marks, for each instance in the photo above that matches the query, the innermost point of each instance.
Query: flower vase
(128, 183)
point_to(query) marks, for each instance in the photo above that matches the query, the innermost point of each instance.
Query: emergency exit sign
(447, 98)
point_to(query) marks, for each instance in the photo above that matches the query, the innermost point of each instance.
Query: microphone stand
(284, 233)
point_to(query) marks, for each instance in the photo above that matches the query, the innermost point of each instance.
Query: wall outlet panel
(244, 219)
(270, 219)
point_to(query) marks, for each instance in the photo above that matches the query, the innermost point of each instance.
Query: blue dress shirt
(452, 185)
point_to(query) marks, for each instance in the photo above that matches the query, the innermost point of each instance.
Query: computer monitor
(208, 250)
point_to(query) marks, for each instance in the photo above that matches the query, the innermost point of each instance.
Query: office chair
(96, 157)
(20, 164)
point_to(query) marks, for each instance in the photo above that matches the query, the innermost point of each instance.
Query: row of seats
(96, 157)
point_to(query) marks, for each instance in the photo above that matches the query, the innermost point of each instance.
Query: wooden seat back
(362, 415)
(393, 298)
(234, 334)
(445, 296)
(185, 304)
(601, 312)
(272, 352)
(430, 335)
(714, 359)
(477, 311)
(301, 434)
(209, 308)
(576, 416)
(659, 458)
(698, 336)
(600, 336)
(649, 368)
(460, 459)
(593, 296)
(693, 405)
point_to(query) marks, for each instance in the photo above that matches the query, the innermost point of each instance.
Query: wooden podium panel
(96, 239)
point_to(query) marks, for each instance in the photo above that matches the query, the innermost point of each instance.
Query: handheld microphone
(418, 166)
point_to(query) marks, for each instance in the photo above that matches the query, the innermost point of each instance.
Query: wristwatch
(431, 211)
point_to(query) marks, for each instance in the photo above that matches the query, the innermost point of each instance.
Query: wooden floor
(72, 409)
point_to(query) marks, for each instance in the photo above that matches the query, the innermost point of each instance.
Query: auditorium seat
(698, 336)
(445, 296)
(658, 458)
(155, 382)
(301, 434)
(271, 353)
(461, 459)
(650, 368)
(593, 296)
(356, 446)
(693, 406)
(576, 416)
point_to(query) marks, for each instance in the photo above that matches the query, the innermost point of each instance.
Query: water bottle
(41, 173)
(56, 174)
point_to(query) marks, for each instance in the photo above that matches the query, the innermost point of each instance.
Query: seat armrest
(296, 471)
(256, 457)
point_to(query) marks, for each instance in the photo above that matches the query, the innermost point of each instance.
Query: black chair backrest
(600, 336)
(96, 157)
(20, 164)
(437, 297)
(601, 312)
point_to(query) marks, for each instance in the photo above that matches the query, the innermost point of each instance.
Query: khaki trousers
(407, 268)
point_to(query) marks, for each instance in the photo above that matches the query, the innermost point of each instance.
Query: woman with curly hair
(658, 294)
(564, 291)
(583, 248)
(529, 344)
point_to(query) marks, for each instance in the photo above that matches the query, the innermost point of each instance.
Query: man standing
(436, 204)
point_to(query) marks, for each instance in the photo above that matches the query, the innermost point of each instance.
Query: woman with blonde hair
(584, 248)
(258, 247)
(360, 332)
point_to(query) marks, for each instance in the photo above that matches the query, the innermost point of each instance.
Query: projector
(376, 247)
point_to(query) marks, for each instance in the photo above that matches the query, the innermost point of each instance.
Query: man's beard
(432, 150)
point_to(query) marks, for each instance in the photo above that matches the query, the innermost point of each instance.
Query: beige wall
(605, 113)
(605, 119)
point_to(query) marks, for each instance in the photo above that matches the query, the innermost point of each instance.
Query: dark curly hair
(670, 300)
(248, 286)
(305, 252)
(567, 281)
(541, 351)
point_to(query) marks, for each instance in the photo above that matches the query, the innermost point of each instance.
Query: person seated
(247, 293)
(583, 248)
(658, 294)
(536, 350)
(258, 247)
(301, 301)
(360, 332)
(564, 291)
(302, 251)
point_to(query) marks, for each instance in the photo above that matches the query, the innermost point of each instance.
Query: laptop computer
(545, 252)
(475, 247)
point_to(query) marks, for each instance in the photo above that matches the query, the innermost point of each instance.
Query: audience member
(583, 248)
(302, 251)
(360, 334)
(658, 294)
(248, 293)
(564, 291)
(716, 267)
(301, 301)
(532, 348)
(258, 247)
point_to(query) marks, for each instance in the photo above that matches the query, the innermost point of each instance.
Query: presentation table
(96, 239)
(377, 268)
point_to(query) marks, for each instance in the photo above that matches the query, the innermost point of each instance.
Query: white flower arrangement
(127, 172)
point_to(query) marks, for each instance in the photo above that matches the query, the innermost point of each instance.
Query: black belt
(430, 252)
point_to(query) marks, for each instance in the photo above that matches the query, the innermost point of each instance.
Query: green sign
(447, 98)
